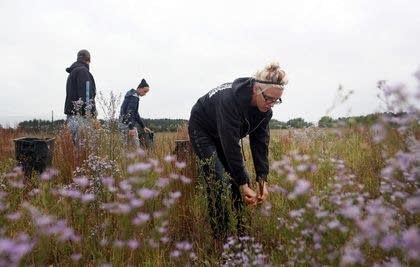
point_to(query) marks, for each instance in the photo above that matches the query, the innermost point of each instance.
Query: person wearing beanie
(129, 114)
(79, 104)
(218, 122)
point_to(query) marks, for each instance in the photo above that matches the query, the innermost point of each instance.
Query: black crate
(34, 154)
(146, 139)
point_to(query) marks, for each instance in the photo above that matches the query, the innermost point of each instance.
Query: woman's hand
(262, 191)
(249, 196)
(133, 133)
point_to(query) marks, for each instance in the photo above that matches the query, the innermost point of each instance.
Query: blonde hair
(272, 73)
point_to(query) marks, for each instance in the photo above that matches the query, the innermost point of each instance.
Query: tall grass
(345, 196)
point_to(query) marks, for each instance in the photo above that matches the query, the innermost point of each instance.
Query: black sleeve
(139, 120)
(228, 117)
(259, 140)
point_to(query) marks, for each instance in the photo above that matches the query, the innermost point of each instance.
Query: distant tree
(298, 123)
(165, 125)
(326, 122)
(40, 125)
(275, 124)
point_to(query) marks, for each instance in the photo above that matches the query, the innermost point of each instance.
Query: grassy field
(338, 197)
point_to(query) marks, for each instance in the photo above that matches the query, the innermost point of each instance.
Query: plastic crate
(34, 154)
(146, 139)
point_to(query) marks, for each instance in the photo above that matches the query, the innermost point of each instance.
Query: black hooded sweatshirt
(81, 88)
(129, 113)
(225, 114)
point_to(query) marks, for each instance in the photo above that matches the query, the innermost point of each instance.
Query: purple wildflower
(108, 181)
(14, 216)
(15, 249)
(141, 218)
(175, 254)
(136, 203)
(34, 192)
(296, 213)
(351, 212)
(165, 239)
(378, 132)
(302, 187)
(147, 193)
(302, 167)
(412, 204)
(170, 158)
(175, 195)
(133, 244)
(76, 257)
(185, 179)
(103, 242)
(183, 245)
(266, 208)
(17, 184)
(162, 182)
(82, 181)
(72, 193)
(411, 242)
(334, 224)
(87, 198)
(389, 242)
(157, 214)
(138, 167)
(351, 256)
(48, 174)
(125, 185)
(180, 165)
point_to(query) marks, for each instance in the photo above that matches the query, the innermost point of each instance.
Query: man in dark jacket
(129, 114)
(80, 96)
(218, 121)
(80, 89)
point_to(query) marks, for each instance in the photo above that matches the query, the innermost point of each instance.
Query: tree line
(172, 125)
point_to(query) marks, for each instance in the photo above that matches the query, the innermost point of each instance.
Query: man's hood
(77, 64)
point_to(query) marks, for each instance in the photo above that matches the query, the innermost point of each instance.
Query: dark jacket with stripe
(80, 91)
(129, 113)
(225, 114)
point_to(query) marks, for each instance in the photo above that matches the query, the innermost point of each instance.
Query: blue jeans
(78, 126)
(212, 167)
(130, 141)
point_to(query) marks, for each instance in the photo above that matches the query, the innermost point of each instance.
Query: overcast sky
(185, 48)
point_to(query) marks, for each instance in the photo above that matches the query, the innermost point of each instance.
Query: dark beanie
(83, 55)
(143, 83)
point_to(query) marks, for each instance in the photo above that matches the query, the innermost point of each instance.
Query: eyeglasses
(269, 99)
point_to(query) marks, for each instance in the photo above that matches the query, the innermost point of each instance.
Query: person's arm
(136, 115)
(228, 118)
(140, 121)
(259, 141)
